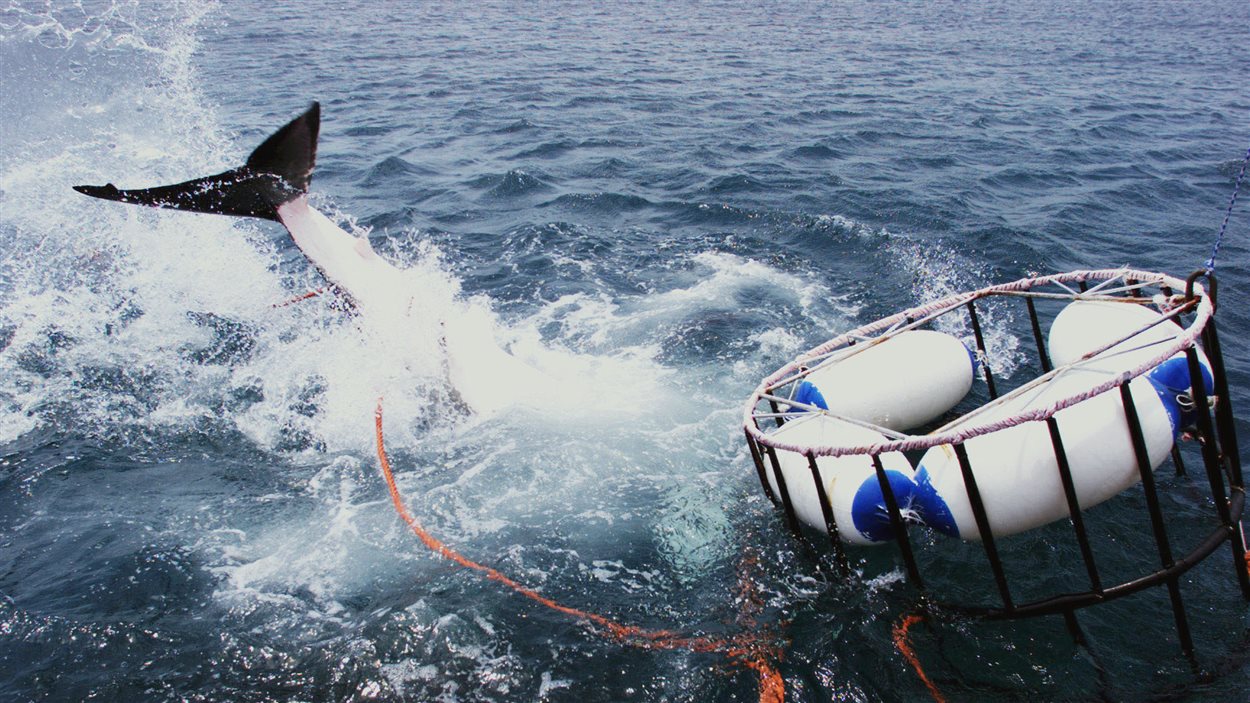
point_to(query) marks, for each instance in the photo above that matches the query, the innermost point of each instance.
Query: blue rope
(1219, 239)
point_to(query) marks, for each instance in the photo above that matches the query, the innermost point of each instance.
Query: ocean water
(656, 203)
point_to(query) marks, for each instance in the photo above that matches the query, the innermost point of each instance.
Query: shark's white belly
(348, 262)
(485, 376)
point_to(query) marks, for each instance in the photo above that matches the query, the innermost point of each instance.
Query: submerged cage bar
(897, 525)
(1074, 505)
(759, 468)
(983, 526)
(1157, 524)
(786, 502)
(826, 509)
(1213, 421)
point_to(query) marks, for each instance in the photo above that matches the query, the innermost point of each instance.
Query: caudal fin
(278, 171)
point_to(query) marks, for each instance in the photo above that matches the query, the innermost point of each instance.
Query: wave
(391, 169)
(513, 184)
(546, 150)
(737, 183)
(815, 152)
(604, 203)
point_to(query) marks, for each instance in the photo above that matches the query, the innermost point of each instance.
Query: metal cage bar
(1074, 505)
(1158, 527)
(1177, 461)
(983, 526)
(826, 511)
(897, 524)
(985, 364)
(1042, 357)
(1214, 459)
(780, 477)
(1224, 408)
(759, 468)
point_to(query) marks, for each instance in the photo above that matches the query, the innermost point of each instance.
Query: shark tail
(277, 172)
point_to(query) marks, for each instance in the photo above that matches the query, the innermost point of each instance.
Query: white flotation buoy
(899, 383)
(1016, 469)
(1085, 326)
(850, 482)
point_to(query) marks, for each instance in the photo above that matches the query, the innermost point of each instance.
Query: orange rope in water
(901, 642)
(305, 296)
(747, 650)
(1241, 528)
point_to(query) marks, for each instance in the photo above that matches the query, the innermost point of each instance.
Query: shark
(273, 184)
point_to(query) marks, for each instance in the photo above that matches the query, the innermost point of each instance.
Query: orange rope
(745, 649)
(306, 296)
(1241, 528)
(772, 686)
(900, 641)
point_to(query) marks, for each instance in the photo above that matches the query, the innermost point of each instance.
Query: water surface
(663, 203)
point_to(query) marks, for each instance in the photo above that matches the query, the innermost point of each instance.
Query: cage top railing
(1113, 284)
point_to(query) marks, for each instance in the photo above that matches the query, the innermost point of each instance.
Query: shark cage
(883, 435)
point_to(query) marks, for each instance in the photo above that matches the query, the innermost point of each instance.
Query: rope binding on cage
(1202, 306)
(752, 650)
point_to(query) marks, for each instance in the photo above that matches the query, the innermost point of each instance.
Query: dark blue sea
(662, 202)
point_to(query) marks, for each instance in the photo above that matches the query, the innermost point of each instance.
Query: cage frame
(1214, 428)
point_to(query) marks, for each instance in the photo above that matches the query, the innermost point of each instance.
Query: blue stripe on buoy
(972, 356)
(933, 510)
(868, 510)
(1170, 379)
(809, 394)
